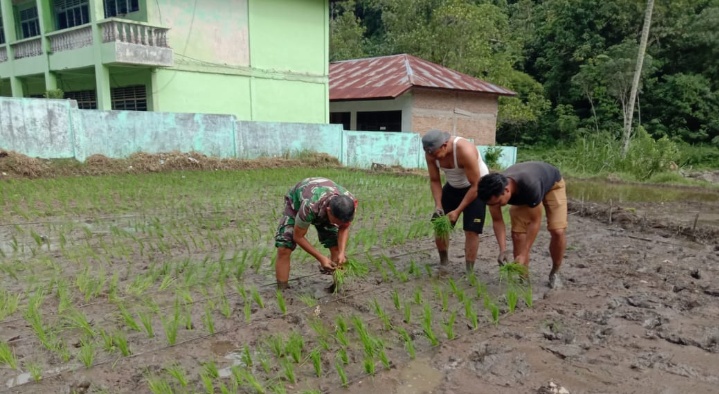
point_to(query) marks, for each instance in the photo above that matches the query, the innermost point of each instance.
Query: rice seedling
(407, 312)
(210, 369)
(289, 370)
(63, 296)
(247, 310)
(128, 318)
(246, 357)
(294, 346)
(384, 359)
(323, 334)
(342, 374)
(35, 371)
(448, 326)
(170, 325)
(341, 323)
(512, 297)
(395, 299)
(512, 272)
(369, 365)
(428, 270)
(177, 372)
(120, 340)
(528, 296)
(264, 362)
(418, 296)
(276, 344)
(258, 298)
(146, 320)
(341, 338)
(225, 307)
(308, 300)
(281, 302)
(342, 355)
(158, 385)
(87, 352)
(413, 269)
(208, 321)
(7, 356)
(442, 228)
(408, 343)
(427, 326)
(207, 383)
(108, 343)
(316, 358)
(76, 319)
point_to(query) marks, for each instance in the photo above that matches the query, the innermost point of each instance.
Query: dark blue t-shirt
(534, 179)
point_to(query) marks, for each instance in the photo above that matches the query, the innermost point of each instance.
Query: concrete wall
(57, 129)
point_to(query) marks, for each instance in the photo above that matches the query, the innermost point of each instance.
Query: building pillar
(102, 72)
(8, 15)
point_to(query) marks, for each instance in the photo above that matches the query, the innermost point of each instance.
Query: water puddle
(419, 377)
(26, 377)
(603, 192)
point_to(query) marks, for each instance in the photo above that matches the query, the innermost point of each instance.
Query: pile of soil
(14, 165)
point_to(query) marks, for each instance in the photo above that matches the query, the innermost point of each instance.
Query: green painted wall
(264, 60)
(212, 31)
(286, 35)
(188, 91)
(289, 101)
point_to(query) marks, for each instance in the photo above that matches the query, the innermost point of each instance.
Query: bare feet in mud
(555, 282)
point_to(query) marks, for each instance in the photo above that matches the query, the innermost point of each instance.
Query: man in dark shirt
(524, 186)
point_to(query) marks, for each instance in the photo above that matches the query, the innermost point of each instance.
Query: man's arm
(343, 236)
(435, 181)
(500, 231)
(301, 240)
(468, 159)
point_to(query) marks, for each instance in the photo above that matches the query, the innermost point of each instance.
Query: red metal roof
(390, 76)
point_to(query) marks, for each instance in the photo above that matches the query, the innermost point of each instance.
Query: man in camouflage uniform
(327, 206)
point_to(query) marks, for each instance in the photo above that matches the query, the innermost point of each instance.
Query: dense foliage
(571, 62)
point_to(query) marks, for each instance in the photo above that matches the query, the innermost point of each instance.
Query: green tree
(346, 32)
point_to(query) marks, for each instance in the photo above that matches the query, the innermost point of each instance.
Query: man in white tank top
(462, 166)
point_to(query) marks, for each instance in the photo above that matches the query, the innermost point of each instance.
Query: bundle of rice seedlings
(442, 227)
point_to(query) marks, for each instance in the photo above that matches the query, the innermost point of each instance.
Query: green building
(264, 60)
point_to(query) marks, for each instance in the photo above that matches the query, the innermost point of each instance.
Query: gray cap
(433, 140)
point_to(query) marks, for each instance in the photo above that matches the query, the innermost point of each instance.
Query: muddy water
(693, 207)
(604, 192)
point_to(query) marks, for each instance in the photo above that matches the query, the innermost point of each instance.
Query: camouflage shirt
(308, 200)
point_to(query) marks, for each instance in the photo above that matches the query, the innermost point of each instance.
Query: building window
(29, 22)
(86, 99)
(2, 32)
(71, 13)
(343, 118)
(130, 98)
(120, 7)
(379, 121)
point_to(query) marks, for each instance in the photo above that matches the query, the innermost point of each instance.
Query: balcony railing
(69, 39)
(28, 47)
(119, 30)
(3, 53)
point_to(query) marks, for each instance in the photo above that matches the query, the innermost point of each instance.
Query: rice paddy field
(164, 283)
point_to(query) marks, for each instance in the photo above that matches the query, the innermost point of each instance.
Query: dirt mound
(16, 165)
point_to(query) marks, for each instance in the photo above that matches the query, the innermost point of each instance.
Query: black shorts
(473, 214)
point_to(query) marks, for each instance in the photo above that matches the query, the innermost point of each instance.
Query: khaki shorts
(555, 204)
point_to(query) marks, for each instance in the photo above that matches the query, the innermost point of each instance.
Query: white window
(120, 7)
(29, 22)
(129, 98)
(71, 13)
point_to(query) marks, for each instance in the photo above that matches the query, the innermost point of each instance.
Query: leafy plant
(316, 358)
(7, 356)
(281, 302)
(86, 355)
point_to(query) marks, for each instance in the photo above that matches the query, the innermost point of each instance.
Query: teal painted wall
(57, 129)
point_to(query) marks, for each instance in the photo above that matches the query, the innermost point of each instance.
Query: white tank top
(456, 176)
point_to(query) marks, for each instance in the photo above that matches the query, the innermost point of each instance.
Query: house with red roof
(403, 93)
